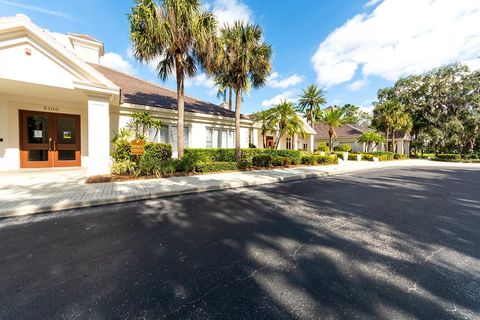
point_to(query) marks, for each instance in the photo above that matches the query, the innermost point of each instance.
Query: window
(168, 134)
(162, 135)
(288, 143)
(305, 146)
(220, 138)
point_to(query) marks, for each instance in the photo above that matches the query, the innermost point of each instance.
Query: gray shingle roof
(141, 92)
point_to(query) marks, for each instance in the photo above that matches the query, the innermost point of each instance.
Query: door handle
(54, 145)
(49, 144)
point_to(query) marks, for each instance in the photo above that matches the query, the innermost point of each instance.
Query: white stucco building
(349, 134)
(59, 107)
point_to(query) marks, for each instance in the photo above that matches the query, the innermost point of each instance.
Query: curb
(31, 210)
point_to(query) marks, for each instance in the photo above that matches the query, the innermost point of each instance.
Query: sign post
(137, 147)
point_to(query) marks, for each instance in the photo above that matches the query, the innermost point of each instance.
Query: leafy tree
(249, 63)
(333, 117)
(285, 119)
(311, 99)
(371, 137)
(178, 33)
(355, 115)
(444, 107)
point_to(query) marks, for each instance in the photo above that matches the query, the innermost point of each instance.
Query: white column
(255, 138)
(198, 135)
(98, 136)
(295, 142)
(312, 143)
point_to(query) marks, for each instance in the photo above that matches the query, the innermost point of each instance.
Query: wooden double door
(49, 140)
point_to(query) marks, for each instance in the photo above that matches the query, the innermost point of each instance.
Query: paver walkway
(35, 191)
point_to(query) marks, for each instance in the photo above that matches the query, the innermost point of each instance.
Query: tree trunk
(388, 138)
(230, 98)
(180, 107)
(331, 133)
(393, 140)
(238, 101)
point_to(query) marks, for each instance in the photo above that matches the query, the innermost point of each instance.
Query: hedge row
(318, 159)
(448, 157)
(228, 155)
(216, 166)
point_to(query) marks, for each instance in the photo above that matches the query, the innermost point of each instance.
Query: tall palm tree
(333, 117)
(178, 33)
(248, 59)
(384, 114)
(310, 101)
(285, 119)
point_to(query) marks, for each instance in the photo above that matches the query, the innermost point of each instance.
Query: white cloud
(285, 96)
(400, 37)
(115, 61)
(274, 81)
(358, 84)
(229, 11)
(371, 3)
(37, 9)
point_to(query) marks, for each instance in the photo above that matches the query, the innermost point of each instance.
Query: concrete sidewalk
(35, 191)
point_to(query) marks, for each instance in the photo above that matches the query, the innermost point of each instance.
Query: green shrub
(123, 167)
(352, 156)
(169, 167)
(149, 165)
(262, 160)
(244, 164)
(121, 151)
(191, 160)
(212, 154)
(367, 156)
(162, 151)
(343, 148)
(252, 146)
(228, 155)
(398, 156)
(327, 159)
(448, 156)
(309, 159)
(384, 156)
(216, 166)
(472, 155)
(322, 146)
(339, 155)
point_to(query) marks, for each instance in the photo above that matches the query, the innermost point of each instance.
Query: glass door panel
(35, 139)
(66, 140)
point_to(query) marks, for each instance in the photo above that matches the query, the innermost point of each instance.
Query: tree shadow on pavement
(391, 244)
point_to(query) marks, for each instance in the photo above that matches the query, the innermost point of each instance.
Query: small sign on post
(137, 147)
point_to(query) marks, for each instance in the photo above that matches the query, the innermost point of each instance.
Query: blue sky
(350, 47)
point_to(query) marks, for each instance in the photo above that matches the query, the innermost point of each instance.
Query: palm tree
(333, 117)
(385, 117)
(285, 119)
(264, 118)
(310, 101)
(248, 63)
(178, 33)
(142, 121)
(369, 137)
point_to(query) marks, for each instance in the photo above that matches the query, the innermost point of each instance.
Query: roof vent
(224, 105)
(86, 47)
